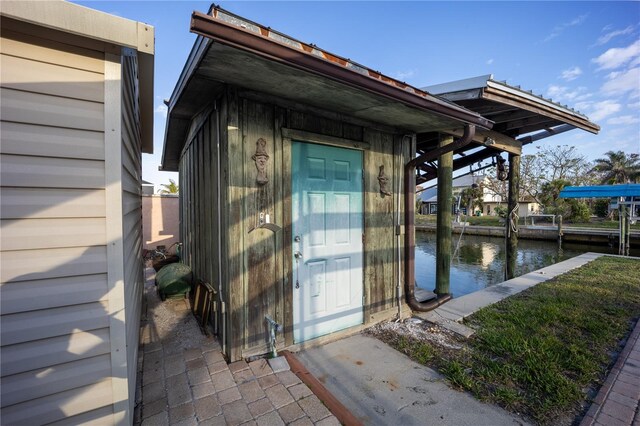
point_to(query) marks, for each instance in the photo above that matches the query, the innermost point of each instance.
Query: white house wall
(54, 259)
(132, 216)
(71, 277)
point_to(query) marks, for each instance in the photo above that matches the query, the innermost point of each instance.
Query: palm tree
(169, 188)
(618, 167)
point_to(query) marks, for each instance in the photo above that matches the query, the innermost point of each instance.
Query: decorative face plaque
(261, 157)
(383, 180)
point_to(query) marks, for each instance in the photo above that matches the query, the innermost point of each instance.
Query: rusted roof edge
(233, 31)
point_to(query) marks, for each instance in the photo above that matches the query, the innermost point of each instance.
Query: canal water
(479, 261)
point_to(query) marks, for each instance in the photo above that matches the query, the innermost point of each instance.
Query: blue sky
(583, 54)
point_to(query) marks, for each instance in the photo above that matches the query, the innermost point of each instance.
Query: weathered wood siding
(257, 267)
(199, 198)
(260, 281)
(54, 285)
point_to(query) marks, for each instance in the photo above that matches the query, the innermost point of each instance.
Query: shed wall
(55, 330)
(199, 207)
(257, 272)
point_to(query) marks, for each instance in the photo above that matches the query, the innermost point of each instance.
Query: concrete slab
(381, 386)
(459, 308)
(279, 364)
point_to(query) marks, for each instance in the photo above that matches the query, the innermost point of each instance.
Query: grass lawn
(544, 351)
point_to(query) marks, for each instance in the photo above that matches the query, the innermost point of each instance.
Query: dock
(542, 232)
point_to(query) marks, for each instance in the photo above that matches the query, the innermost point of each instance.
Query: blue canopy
(601, 191)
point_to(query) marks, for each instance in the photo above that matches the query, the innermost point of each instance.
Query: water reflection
(479, 261)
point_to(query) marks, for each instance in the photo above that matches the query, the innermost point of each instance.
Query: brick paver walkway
(184, 380)
(617, 402)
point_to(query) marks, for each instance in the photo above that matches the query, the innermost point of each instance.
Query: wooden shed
(77, 111)
(291, 164)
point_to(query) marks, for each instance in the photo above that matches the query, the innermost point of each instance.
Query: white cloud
(634, 105)
(623, 82)
(563, 93)
(571, 73)
(489, 61)
(624, 120)
(600, 110)
(162, 110)
(618, 56)
(403, 75)
(560, 28)
(606, 38)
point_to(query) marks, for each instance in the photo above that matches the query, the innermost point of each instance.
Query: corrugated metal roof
(601, 191)
(484, 81)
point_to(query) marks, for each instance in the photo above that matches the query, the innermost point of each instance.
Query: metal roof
(233, 50)
(514, 110)
(601, 191)
(519, 116)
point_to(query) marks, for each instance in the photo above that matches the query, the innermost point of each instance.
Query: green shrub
(601, 207)
(579, 211)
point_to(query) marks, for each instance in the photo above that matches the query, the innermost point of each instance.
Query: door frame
(288, 136)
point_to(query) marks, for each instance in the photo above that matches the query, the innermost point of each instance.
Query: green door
(327, 239)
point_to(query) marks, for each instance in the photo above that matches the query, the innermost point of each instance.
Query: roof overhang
(235, 51)
(514, 111)
(519, 118)
(102, 27)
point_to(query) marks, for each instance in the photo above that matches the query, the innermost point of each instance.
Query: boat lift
(625, 198)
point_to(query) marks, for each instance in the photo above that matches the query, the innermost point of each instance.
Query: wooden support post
(512, 217)
(622, 221)
(443, 231)
(560, 232)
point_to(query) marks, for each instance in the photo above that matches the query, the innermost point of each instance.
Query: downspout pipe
(409, 220)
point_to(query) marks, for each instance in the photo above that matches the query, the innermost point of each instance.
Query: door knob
(297, 255)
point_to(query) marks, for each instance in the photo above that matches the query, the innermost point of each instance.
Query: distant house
(148, 188)
(490, 200)
(77, 110)
(429, 197)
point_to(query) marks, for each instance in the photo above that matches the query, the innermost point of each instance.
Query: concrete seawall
(574, 235)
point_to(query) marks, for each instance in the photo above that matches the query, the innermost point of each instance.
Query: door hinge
(363, 238)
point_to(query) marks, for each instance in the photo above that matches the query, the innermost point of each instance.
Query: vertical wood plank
(223, 227)
(236, 233)
(398, 171)
(379, 235)
(208, 213)
(287, 238)
(278, 203)
(260, 243)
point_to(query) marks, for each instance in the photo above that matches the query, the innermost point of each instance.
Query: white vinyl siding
(132, 214)
(56, 350)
